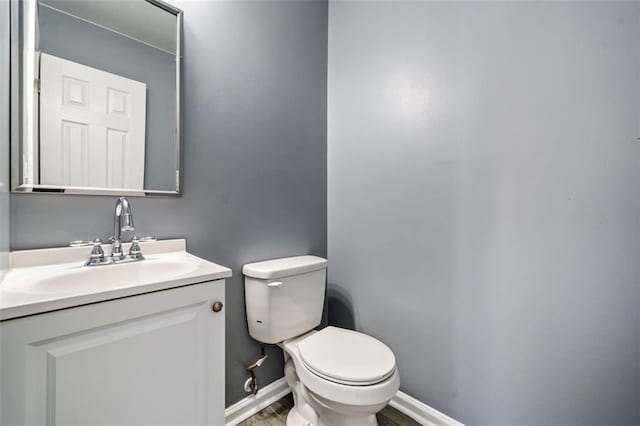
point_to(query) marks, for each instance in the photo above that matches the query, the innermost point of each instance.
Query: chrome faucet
(122, 221)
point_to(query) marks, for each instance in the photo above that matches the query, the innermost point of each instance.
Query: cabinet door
(153, 359)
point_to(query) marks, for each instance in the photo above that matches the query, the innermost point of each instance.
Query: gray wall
(484, 204)
(4, 138)
(70, 38)
(255, 157)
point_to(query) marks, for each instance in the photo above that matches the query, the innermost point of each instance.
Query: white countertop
(50, 279)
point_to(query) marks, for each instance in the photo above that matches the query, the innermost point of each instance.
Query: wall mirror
(96, 96)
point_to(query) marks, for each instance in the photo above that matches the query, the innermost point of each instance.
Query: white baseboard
(421, 412)
(252, 404)
(266, 396)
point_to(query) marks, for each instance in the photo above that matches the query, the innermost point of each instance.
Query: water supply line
(251, 384)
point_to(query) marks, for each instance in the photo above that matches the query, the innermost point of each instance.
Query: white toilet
(338, 377)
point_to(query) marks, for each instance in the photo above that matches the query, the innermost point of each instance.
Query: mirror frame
(23, 125)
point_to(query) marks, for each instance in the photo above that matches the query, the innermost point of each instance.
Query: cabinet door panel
(149, 359)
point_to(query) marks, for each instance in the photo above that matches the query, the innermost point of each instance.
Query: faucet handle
(97, 252)
(134, 250)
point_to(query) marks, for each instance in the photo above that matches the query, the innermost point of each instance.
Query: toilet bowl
(338, 377)
(344, 376)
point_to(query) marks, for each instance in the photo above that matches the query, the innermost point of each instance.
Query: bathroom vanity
(137, 343)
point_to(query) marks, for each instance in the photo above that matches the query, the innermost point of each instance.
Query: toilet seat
(347, 357)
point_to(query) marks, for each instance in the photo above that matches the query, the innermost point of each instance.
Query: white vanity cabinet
(150, 359)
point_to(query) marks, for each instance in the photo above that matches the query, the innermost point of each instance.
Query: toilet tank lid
(278, 268)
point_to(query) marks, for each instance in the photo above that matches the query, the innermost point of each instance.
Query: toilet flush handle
(275, 284)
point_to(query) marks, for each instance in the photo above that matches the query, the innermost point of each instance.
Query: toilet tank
(284, 297)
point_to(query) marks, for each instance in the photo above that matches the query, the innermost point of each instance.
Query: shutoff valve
(251, 384)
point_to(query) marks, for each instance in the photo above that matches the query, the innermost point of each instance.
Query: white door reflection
(92, 130)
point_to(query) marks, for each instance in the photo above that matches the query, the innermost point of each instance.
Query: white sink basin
(43, 280)
(84, 279)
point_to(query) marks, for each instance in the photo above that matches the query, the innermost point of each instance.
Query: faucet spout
(122, 221)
